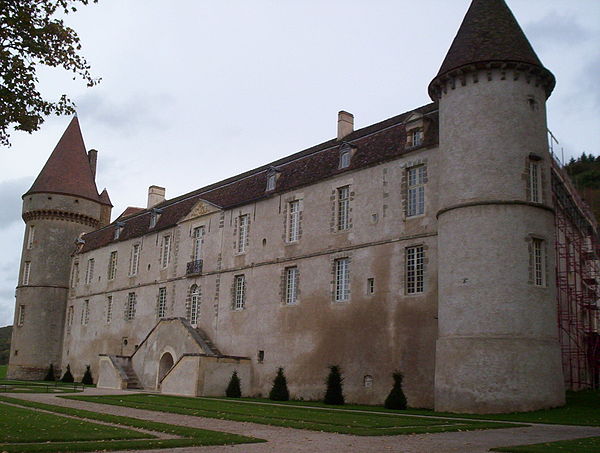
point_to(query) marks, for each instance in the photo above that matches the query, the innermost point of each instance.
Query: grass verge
(584, 445)
(187, 436)
(344, 422)
(3, 369)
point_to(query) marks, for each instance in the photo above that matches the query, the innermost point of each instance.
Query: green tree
(233, 389)
(279, 391)
(50, 375)
(334, 393)
(87, 376)
(67, 377)
(396, 398)
(32, 35)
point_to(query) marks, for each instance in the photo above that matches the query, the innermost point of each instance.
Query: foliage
(87, 376)
(233, 389)
(334, 393)
(279, 392)
(396, 399)
(50, 375)
(585, 171)
(5, 334)
(67, 377)
(34, 35)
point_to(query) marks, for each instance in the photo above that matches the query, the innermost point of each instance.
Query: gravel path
(288, 440)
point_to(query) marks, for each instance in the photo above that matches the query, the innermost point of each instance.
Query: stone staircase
(126, 369)
(205, 341)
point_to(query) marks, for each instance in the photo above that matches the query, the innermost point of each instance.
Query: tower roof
(489, 33)
(68, 170)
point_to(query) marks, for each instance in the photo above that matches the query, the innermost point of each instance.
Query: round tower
(497, 349)
(62, 203)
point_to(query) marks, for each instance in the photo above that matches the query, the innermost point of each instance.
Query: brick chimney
(345, 124)
(156, 195)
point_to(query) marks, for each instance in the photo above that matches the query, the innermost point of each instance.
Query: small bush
(279, 392)
(233, 389)
(334, 394)
(67, 377)
(87, 377)
(50, 375)
(396, 398)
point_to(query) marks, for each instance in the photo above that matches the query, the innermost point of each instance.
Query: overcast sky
(196, 91)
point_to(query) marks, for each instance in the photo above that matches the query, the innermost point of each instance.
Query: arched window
(194, 304)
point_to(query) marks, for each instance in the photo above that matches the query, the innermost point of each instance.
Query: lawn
(10, 386)
(23, 430)
(584, 445)
(337, 421)
(3, 369)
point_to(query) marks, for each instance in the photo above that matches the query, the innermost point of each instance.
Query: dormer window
(118, 229)
(154, 216)
(345, 155)
(272, 177)
(415, 137)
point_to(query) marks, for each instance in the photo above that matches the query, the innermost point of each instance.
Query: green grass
(3, 369)
(345, 422)
(14, 386)
(187, 436)
(584, 445)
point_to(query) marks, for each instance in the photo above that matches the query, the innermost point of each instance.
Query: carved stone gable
(200, 209)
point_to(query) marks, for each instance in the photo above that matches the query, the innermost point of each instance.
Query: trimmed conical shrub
(50, 374)
(396, 398)
(233, 389)
(87, 377)
(279, 392)
(67, 377)
(334, 394)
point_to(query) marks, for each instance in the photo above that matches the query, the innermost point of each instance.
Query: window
(342, 279)
(198, 235)
(416, 191)
(161, 309)
(89, 272)
(74, 275)
(539, 262)
(239, 292)
(85, 312)
(118, 229)
(415, 270)
(70, 314)
(291, 285)
(370, 286)
(415, 137)
(294, 221)
(30, 237)
(194, 304)
(130, 307)
(112, 265)
(21, 317)
(154, 216)
(243, 233)
(26, 272)
(343, 208)
(135, 260)
(165, 252)
(271, 179)
(109, 306)
(345, 155)
(535, 181)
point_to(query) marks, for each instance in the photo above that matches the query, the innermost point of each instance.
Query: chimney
(156, 195)
(345, 124)
(93, 159)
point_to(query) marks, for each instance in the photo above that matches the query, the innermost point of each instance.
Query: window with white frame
(89, 272)
(154, 216)
(165, 255)
(243, 233)
(271, 179)
(415, 191)
(291, 285)
(26, 272)
(343, 208)
(134, 260)
(345, 155)
(130, 307)
(415, 137)
(342, 280)
(198, 237)
(112, 265)
(239, 292)
(21, 315)
(539, 261)
(161, 310)
(30, 237)
(118, 230)
(294, 221)
(85, 312)
(535, 181)
(70, 314)
(194, 304)
(75, 275)
(415, 269)
(109, 308)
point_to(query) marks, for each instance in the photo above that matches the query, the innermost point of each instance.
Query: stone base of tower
(497, 375)
(25, 373)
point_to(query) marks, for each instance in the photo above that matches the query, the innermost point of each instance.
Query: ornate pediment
(201, 208)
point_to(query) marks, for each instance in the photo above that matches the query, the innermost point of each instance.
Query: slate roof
(68, 170)
(374, 144)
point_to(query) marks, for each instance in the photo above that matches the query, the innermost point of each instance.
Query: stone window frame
(89, 271)
(198, 233)
(30, 236)
(535, 178)
(165, 250)
(113, 258)
(419, 269)
(238, 292)
(534, 272)
(161, 303)
(134, 259)
(293, 297)
(337, 283)
(193, 303)
(26, 273)
(74, 274)
(21, 316)
(241, 235)
(370, 286)
(85, 312)
(70, 316)
(404, 186)
(287, 218)
(130, 306)
(109, 308)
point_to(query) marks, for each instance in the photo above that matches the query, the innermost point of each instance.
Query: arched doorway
(164, 365)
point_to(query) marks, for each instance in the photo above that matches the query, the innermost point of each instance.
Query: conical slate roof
(68, 170)
(490, 33)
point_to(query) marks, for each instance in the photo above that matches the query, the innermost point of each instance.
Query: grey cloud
(557, 29)
(10, 200)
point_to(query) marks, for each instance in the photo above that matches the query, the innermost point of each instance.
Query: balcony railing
(194, 267)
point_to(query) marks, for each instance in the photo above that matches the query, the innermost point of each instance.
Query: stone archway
(164, 365)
